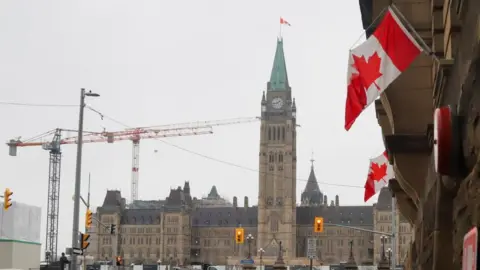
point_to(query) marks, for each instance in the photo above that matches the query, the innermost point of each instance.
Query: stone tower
(278, 159)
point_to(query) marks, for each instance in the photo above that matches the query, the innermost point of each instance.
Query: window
(280, 157)
(274, 224)
(269, 133)
(283, 133)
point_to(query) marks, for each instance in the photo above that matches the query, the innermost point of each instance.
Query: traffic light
(119, 261)
(7, 201)
(112, 228)
(84, 240)
(239, 235)
(88, 219)
(318, 226)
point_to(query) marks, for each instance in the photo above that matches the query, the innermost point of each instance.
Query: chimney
(337, 200)
(235, 201)
(245, 202)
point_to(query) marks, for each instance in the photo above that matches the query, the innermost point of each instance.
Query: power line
(247, 168)
(35, 104)
(216, 159)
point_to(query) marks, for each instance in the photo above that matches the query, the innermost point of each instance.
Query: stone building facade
(441, 208)
(382, 220)
(182, 229)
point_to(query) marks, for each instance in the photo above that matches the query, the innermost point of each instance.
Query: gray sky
(161, 62)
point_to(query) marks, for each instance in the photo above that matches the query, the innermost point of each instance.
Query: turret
(186, 188)
(294, 109)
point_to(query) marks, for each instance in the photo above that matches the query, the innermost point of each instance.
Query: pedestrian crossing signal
(84, 240)
(318, 225)
(239, 235)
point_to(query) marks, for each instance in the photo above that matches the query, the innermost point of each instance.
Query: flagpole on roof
(280, 30)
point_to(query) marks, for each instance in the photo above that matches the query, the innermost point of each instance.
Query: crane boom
(111, 137)
(213, 123)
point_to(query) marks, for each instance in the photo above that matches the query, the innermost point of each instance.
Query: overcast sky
(161, 62)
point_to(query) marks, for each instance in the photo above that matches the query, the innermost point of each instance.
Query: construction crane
(134, 134)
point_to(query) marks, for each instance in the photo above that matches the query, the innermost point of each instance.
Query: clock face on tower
(277, 103)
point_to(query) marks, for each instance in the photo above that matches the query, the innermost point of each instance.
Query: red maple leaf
(377, 172)
(369, 70)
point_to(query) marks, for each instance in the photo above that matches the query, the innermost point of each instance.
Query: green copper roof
(279, 78)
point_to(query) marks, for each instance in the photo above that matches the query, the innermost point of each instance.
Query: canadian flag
(379, 172)
(376, 63)
(283, 21)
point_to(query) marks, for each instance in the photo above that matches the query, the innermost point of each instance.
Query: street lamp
(78, 174)
(249, 240)
(383, 239)
(261, 251)
(389, 252)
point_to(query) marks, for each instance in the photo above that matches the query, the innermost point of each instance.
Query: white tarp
(20, 222)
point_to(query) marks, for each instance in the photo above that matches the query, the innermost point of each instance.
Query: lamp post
(249, 240)
(78, 174)
(389, 252)
(260, 252)
(383, 239)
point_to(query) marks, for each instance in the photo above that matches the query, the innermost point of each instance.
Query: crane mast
(135, 165)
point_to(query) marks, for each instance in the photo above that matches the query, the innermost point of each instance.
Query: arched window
(274, 224)
(270, 157)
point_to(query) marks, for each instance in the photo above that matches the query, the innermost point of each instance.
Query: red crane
(132, 134)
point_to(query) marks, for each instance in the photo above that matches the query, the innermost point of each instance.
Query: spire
(278, 78)
(312, 195)
(312, 184)
(213, 193)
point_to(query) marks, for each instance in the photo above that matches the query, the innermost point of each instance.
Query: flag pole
(280, 30)
(412, 29)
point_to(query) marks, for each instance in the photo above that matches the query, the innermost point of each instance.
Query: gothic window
(270, 157)
(274, 133)
(274, 224)
(269, 133)
(283, 133)
(278, 133)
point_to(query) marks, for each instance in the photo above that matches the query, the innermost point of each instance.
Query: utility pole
(78, 175)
